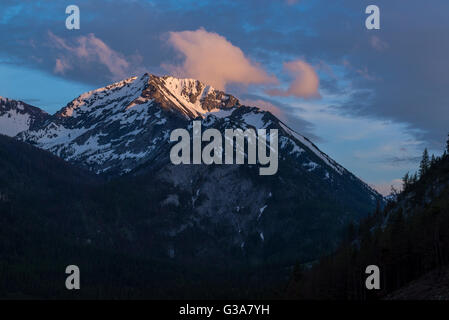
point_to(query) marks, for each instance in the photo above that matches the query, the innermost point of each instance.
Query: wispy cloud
(305, 82)
(89, 49)
(400, 161)
(265, 105)
(61, 66)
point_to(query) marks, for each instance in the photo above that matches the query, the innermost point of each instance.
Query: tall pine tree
(433, 161)
(406, 180)
(425, 163)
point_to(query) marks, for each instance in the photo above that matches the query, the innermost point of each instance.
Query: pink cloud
(90, 49)
(61, 66)
(305, 82)
(265, 105)
(214, 60)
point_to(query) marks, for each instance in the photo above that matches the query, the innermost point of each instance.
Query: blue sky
(371, 99)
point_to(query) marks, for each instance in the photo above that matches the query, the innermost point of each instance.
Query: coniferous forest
(53, 214)
(408, 240)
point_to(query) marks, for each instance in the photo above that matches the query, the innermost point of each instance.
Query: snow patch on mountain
(17, 116)
(261, 210)
(12, 122)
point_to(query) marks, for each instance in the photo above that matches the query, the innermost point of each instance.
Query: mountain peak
(17, 116)
(191, 97)
(187, 97)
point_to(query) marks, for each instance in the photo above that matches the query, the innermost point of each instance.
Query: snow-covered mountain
(120, 126)
(17, 116)
(229, 210)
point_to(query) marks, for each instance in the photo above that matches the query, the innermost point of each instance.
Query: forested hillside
(53, 214)
(45, 225)
(407, 239)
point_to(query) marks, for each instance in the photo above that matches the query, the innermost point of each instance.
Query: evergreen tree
(447, 143)
(425, 163)
(433, 161)
(415, 178)
(394, 193)
(406, 181)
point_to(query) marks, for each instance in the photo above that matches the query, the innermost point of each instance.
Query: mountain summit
(116, 128)
(189, 97)
(18, 116)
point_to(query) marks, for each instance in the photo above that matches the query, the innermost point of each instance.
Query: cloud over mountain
(211, 58)
(305, 82)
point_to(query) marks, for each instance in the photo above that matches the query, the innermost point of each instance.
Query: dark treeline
(406, 239)
(53, 214)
